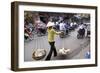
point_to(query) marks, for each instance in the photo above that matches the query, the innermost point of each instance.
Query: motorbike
(88, 34)
(81, 33)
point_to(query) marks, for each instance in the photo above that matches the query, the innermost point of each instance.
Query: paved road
(78, 47)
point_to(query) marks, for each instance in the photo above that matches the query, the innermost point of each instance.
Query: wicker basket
(63, 51)
(39, 54)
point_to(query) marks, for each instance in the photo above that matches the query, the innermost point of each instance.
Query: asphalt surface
(78, 47)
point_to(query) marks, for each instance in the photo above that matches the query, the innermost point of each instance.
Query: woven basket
(39, 54)
(63, 51)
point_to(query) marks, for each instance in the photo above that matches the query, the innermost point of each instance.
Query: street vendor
(51, 35)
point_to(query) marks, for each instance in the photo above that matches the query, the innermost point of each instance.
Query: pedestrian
(62, 29)
(51, 35)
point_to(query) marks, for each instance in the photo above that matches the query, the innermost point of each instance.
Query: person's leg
(54, 49)
(50, 52)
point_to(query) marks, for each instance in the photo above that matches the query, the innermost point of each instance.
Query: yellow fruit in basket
(64, 51)
(39, 54)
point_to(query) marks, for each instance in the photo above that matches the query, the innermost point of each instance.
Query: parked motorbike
(88, 34)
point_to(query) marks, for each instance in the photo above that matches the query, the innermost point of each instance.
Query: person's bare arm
(58, 33)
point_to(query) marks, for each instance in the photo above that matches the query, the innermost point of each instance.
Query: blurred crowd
(63, 24)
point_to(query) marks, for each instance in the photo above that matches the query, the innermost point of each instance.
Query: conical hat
(50, 24)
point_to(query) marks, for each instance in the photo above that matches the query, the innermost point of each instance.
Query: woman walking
(51, 35)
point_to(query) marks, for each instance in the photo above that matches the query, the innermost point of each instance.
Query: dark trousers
(52, 50)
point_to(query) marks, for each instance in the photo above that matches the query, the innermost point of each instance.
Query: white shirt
(62, 26)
